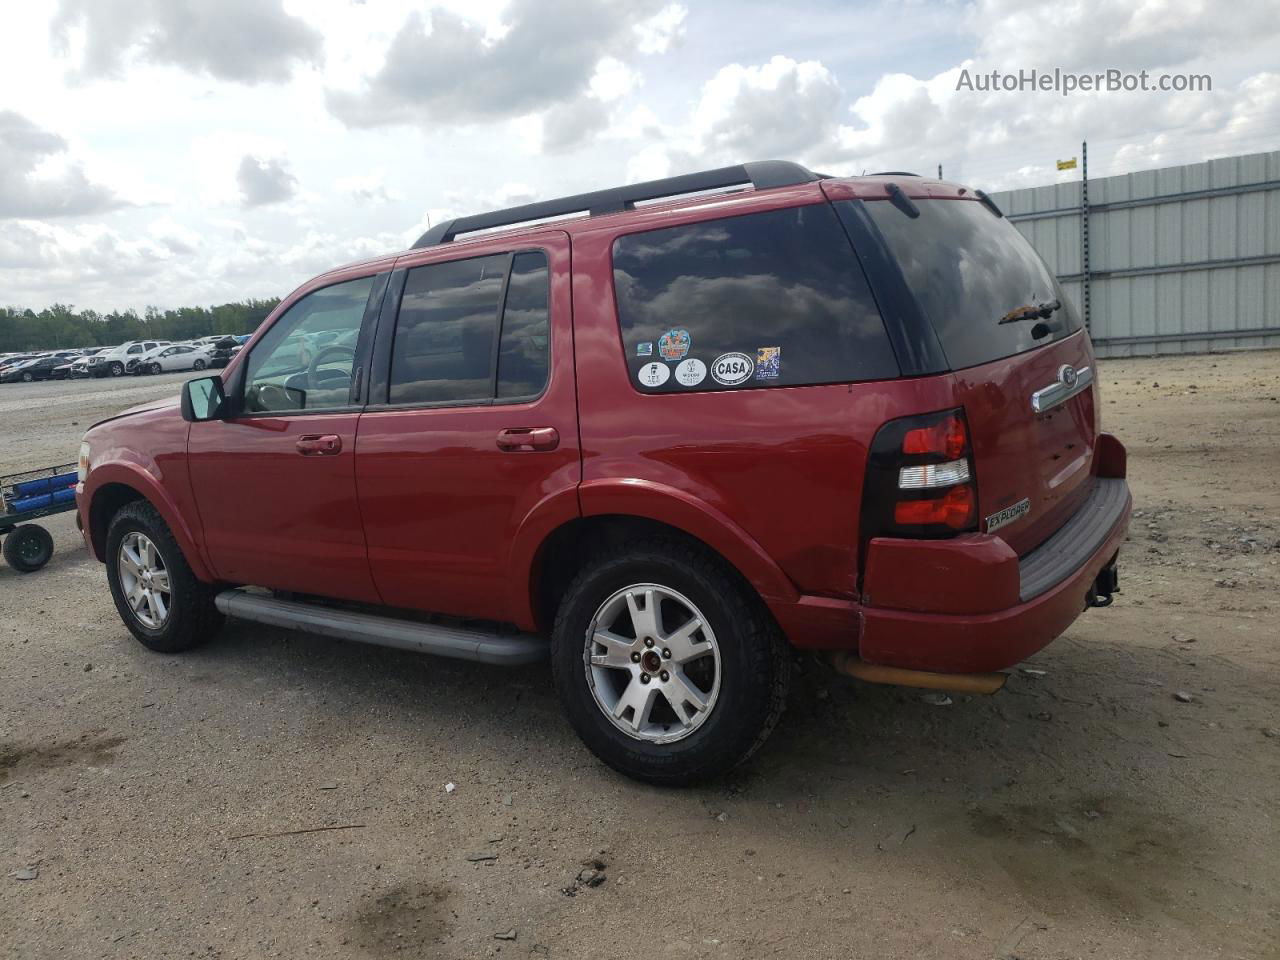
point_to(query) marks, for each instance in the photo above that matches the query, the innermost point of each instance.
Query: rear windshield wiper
(1042, 311)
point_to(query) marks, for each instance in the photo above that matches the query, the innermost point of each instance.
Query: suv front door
(471, 429)
(275, 482)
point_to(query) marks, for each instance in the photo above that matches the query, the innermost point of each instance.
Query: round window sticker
(691, 372)
(653, 374)
(731, 369)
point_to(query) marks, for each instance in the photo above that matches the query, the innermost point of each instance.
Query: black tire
(192, 617)
(27, 377)
(755, 668)
(198, 365)
(116, 368)
(155, 368)
(28, 548)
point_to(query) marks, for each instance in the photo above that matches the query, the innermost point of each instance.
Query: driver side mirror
(203, 399)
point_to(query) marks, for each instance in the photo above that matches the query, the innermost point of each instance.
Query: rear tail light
(920, 479)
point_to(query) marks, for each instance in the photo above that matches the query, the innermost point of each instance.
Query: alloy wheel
(144, 579)
(652, 663)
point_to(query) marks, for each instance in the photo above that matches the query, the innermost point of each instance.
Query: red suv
(659, 433)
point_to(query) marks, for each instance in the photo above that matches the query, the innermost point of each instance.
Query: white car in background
(166, 359)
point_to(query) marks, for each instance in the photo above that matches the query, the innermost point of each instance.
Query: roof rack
(762, 175)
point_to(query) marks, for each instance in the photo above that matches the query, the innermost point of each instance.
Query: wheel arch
(116, 485)
(632, 514)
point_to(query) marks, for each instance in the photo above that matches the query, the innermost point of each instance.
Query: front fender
(151, 482)
(677, 508)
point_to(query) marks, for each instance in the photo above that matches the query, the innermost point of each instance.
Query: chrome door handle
(318, 445)
(528, 438)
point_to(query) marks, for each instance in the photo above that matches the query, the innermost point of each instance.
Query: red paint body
(432, 509)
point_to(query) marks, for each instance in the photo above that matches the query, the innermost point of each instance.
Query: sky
(191, 152)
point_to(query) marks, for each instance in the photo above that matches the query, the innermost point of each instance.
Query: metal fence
(1180, 260)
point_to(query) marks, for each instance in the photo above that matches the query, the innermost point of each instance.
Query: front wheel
(669, 668)
(155, 591)
(155, 368)
(27, 377)
(116, 369)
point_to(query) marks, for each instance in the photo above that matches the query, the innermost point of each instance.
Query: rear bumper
(1047, 590)
(967, 605)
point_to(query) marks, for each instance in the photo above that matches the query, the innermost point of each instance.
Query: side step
(460, 643)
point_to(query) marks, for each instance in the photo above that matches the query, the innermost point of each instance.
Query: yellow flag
(1067, 164)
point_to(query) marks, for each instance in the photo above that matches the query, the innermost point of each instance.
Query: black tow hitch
(1108, 583)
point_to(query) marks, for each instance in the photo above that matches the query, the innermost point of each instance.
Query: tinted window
(970, 269)
(768, 299)
(524, 349)
(305, 361)
(449, 319)
(443, 348)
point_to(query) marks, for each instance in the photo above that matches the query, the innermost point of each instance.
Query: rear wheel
(155, 591)
(28, 548)
(668, 667)
(199, 365)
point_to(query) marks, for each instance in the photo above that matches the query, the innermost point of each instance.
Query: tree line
(61, 326)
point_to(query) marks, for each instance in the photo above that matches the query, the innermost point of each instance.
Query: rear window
(970, 269)
(771, 299)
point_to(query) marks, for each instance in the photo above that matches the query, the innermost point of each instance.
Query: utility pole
(1084, 228)
(939, 171)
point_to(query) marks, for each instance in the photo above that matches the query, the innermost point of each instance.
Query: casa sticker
(768, 363)
(674, 344)
(653, 374)
(731, 369)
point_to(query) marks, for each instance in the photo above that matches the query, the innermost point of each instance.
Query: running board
(460, 643)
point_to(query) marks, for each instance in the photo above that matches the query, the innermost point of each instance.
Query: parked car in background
(37, 368)
(80, 365)
(13, 359)
(122, 359)
(661, 445)
(178, 356)
(223, 350)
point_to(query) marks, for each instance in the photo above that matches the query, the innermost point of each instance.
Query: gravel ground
(277, 794)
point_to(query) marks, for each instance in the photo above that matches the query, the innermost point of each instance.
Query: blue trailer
(25, 497)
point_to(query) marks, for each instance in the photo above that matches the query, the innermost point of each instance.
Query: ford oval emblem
(1067, 375)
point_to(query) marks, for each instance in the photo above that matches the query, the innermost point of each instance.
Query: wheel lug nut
(666, 654)
(665, 676)
(648, 641)
(644, 678)
(635, 658)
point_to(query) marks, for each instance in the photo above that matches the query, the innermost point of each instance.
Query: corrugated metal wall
(1182, 259)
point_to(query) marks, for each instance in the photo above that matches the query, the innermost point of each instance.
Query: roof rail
(762, 175)
(893, 173)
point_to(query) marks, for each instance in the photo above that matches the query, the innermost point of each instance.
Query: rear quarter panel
(783, 467)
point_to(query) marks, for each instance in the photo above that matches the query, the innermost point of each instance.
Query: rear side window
(452, 316)
(970, 269)
(762, 300)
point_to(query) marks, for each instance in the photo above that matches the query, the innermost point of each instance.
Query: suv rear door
(978, 282)
(472, 420)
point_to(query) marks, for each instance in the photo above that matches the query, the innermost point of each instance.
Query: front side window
(761, 300)
(451, 316)
(305, 361)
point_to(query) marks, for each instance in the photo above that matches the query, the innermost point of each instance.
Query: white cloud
(664, 28)
(38, 180)
(264, 180)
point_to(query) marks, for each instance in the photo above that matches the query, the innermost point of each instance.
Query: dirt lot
(165, 803)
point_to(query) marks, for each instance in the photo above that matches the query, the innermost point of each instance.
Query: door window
(451, 318)
(305, 361)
